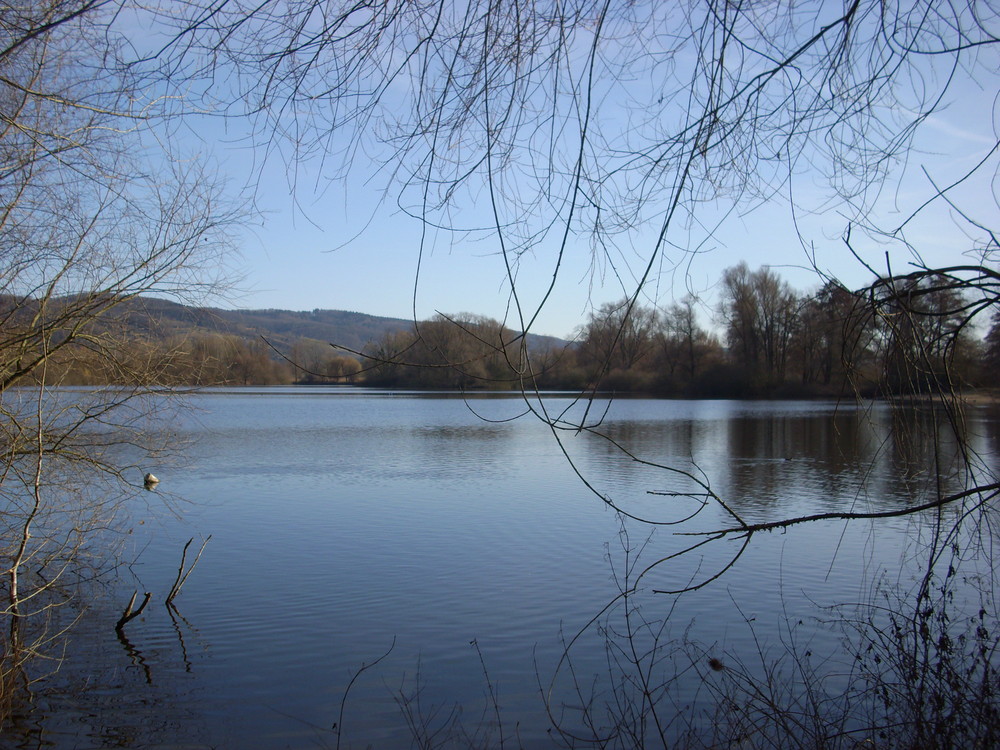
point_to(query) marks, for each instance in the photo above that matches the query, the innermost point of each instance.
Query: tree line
(901, 335)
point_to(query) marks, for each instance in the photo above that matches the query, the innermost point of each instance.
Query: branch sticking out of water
(128, 614)
(182, 576)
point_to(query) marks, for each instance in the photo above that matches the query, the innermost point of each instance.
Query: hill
(282, 328)
(159, 318)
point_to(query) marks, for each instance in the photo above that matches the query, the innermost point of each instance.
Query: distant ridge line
(161, 318)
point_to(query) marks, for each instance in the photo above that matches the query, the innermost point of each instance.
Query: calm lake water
(469, 546)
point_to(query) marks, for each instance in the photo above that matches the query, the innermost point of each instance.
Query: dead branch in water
(128, 614)
(182, 576)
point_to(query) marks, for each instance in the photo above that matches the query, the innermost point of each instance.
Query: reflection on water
(344, 521)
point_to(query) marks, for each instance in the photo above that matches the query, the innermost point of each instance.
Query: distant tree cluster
(314, 361)
(901, 335)
(465, 351)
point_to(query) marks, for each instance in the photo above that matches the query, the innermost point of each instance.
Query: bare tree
(688, 342)
(539, 109)
(618, 337)
(992, 358)
(835, 338)
(761, 315)
(924, 323)
(86, 223)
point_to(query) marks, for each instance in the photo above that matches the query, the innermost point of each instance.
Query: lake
(468, 543)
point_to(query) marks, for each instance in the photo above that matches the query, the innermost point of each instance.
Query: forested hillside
(282, 328)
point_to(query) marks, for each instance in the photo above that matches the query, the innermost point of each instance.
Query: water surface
(348, 523)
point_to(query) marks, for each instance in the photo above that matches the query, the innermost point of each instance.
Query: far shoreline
(970, 397)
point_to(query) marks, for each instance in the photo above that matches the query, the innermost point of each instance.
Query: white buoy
(150, 481)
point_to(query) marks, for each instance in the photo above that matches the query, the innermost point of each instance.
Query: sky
(324, 241)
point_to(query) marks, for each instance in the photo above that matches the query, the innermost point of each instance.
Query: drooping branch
(986, 492)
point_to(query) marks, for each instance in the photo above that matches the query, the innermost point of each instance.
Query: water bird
(149, 481)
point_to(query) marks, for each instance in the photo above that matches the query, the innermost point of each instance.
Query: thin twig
(339, 724)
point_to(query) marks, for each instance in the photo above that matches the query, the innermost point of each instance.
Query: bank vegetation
(902, 335)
